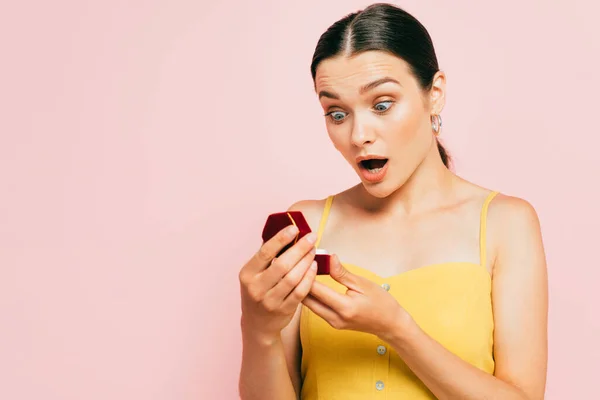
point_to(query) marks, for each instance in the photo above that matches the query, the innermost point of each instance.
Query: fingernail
(291, 231)
(311, 237)
(313, 266)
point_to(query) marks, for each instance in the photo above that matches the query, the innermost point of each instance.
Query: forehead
(344, 73)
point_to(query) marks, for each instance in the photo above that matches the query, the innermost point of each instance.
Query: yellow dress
(450, 301)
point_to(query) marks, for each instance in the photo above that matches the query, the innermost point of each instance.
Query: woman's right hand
(272, 288)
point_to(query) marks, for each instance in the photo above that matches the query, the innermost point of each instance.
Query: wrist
(402, 329)
(260, 340)
(254, 337)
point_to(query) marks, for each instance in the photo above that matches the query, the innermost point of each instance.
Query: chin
(380, 190)
(386, 187)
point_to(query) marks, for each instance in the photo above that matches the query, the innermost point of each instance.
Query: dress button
(381, 350)
(379, 385)
(386, 286)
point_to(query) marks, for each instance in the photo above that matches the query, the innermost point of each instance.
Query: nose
(362, 133)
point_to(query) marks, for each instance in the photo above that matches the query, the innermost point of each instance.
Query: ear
(437, 94)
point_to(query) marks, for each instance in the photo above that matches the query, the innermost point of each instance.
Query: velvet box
(278, 221)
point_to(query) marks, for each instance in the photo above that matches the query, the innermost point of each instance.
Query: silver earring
(436, 123)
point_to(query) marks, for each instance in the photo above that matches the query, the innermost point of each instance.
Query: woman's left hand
(365, 307)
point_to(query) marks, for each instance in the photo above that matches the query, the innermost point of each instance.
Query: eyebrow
(363, 89)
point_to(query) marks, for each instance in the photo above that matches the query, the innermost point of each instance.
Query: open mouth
(373, 165)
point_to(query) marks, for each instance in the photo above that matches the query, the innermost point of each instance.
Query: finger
(302, 289)
(340, 274)
(280, 289)
(323, 311)
(283, 264)
(326, 295)
(269, 250)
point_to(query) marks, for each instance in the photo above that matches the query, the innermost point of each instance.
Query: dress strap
(324, 219)
(483, 229)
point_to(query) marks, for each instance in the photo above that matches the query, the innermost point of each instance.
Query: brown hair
(388, 28)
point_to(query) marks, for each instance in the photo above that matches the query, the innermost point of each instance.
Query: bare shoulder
(513, 215)
(515, 231)
(312, 209)
(511, 209)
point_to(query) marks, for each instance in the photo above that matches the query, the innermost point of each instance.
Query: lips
(372, 168)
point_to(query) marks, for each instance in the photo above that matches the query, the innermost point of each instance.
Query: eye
(383, 106)
(336, 116)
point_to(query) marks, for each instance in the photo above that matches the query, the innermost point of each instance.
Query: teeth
(374, 171)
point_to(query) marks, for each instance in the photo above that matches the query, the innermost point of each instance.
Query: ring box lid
(278, 221)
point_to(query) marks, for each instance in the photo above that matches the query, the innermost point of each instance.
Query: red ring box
(277, 221)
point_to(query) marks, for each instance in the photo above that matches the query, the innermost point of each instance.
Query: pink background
(141, 150)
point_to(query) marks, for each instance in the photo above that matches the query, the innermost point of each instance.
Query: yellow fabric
(450, 301)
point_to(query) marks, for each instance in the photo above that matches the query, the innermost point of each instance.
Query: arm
(271, 366)
(520, 304)
(290, 338)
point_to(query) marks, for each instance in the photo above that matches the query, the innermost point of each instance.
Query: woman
(442, 288)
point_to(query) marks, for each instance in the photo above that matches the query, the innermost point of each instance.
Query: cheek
(407, 124)
(339, 136)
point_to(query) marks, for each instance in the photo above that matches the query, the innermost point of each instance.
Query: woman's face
(374, 107)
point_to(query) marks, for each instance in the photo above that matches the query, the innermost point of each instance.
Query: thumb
(339, 273)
